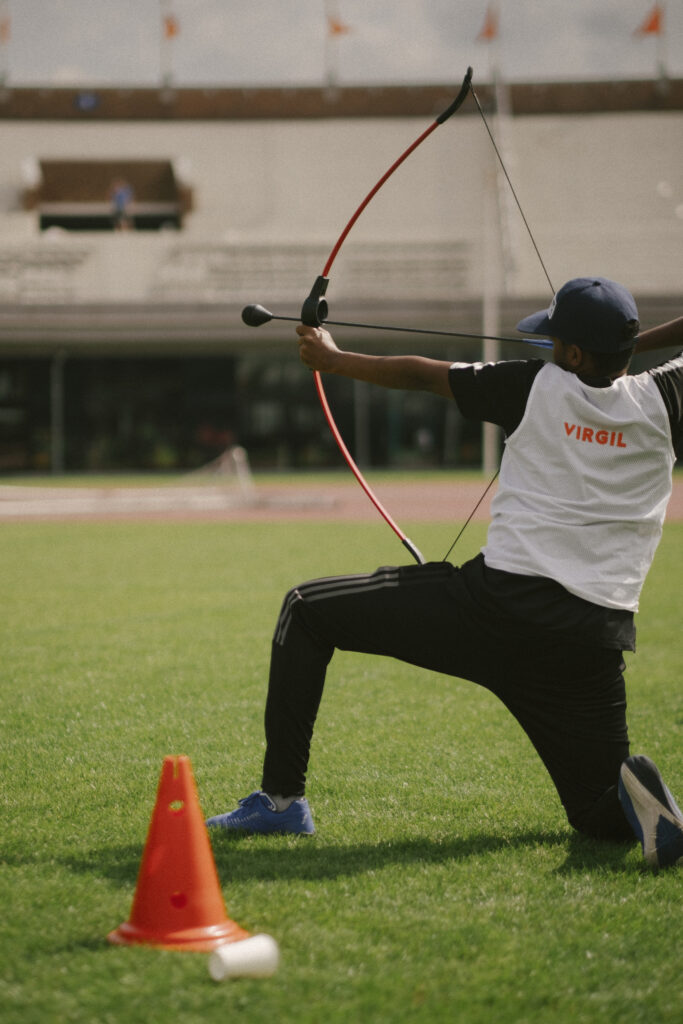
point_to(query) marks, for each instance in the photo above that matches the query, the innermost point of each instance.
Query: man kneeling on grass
(542, 615)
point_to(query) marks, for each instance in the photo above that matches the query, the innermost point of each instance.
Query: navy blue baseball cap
(591, 312)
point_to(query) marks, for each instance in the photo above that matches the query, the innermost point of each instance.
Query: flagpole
(165, 43)
(335, 28)
(4, 43)
(661, 45)
(496, 234)
(330, 52)
(489, 34)
(655, 25)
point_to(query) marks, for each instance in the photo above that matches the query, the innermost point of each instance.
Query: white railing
(424, 270)
(40, 274)
(161, 268)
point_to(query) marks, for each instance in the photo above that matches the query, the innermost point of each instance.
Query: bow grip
(314, 310)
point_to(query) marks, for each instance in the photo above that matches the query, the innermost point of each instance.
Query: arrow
(256, 315)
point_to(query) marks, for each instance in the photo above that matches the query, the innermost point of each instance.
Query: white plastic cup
(255, 957)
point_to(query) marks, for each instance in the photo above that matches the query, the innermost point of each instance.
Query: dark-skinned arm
(319, 351)
(669, 335)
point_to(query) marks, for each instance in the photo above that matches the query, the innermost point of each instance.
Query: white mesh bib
(584, 485)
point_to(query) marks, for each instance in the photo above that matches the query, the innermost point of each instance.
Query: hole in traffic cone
(178, 902)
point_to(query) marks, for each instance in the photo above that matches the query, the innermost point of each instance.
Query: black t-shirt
(498, 393)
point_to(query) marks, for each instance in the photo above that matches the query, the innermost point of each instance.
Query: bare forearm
(319, 351)
(669, 335)
(405, 373)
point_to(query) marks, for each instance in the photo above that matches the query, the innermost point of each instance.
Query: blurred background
(165, 162)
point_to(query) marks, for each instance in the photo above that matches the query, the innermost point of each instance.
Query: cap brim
(537, 323)
(538, 342)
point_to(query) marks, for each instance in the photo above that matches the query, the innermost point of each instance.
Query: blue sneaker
(257, 814)
(652, 812)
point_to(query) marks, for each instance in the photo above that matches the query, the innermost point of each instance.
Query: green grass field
(443, 884)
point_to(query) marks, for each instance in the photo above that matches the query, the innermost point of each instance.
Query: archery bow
(314, 314)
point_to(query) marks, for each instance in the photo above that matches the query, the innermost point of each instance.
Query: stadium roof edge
(291, 103)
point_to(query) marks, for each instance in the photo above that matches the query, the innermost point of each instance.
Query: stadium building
(121, 341)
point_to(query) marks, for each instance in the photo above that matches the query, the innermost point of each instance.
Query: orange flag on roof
(653, 24)
(5, 30)
(489, 29)
(171, 26)
(336, 27)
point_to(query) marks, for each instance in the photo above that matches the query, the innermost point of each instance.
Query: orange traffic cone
(178, 902)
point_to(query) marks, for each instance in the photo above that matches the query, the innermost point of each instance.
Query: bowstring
(512, 189)
(471, 515)
(547, 276)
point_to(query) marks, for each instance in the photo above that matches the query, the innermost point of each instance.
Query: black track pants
(569, 700)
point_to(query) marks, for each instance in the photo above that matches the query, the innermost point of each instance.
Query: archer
(541, 616)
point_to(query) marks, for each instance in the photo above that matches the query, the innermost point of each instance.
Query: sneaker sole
(253, 829)
(649, 812)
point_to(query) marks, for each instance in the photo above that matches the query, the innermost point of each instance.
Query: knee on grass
(603, 819)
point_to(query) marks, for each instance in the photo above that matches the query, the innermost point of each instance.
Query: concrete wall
(602, 192)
